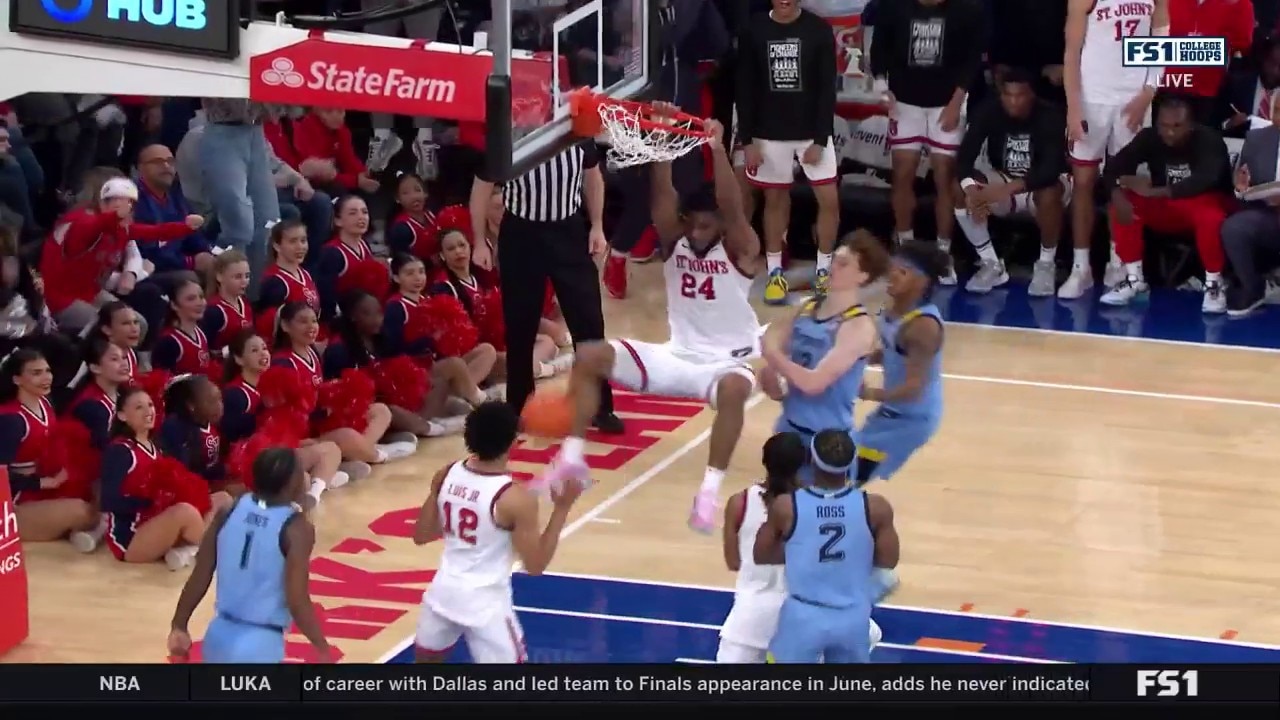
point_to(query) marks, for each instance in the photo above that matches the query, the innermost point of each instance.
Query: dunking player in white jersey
(486, 520)
(710, 253)
(1107, 103)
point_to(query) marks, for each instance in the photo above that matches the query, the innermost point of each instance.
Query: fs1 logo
(1175, 52)
(183, 14)
(1169, 683)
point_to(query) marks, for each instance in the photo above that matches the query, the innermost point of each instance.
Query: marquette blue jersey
(251, 588)
(828, 557)
(811, 340)
(929, 403)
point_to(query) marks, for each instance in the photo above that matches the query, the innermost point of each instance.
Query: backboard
(607, 45)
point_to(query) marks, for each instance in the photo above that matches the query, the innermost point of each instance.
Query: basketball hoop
(635, 133)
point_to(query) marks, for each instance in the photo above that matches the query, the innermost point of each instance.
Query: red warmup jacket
(1232, 19)
(312, 139)
(280, 142)
(85, 247)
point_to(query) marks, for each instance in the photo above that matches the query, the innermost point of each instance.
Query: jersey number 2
(1126, 28)
(690, 288)
(834, 533)
(468, 522)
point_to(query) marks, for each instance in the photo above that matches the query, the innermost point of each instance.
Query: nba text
(1169, 683)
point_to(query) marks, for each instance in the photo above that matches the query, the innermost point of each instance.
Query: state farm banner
(401, 81)
(14, 620)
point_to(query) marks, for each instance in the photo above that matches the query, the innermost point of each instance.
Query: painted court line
(1113, 391)
(613, 499)
(956, 613)
(928, 650)
(1124, 338)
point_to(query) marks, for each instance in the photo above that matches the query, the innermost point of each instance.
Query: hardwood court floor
(1075, 478)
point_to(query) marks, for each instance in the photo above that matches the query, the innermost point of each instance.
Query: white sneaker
(949, 276)
(1043, 278)
(1215, 298)
(442, 426)
(354, 470)
(382, 150)
(1129, 289)
(991, 275)
(397, 450)
(86, 541)
(180, 557)
(1078, 283)
(396, 438)
(457, 406)
(339, 479)
(1114, 275)
(424, 150)
(561, 363)
(496, 392)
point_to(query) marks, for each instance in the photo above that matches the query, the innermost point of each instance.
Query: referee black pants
(530, 253)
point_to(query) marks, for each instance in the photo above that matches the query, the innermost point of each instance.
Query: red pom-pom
(265, 324)
(68, 450)
(345, 402)
(286, 388)
(448, 325)
(167, 482)
(401, 382)
(370, 275)
(455, 217)
(153, 383)
(216, 368)
(487, 313)
(279, 430)
(549, 301)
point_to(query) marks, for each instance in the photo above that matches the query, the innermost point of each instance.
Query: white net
(632, 143)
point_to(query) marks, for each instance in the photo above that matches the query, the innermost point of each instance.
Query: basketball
(548, 413)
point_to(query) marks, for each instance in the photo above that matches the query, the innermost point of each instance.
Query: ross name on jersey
(830, 512)
(705, 266)
(462, 492)
(1122, 10)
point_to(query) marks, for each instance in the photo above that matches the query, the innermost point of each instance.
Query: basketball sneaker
(776, 288)
(1215, 298)
(822, 281)
(615, 275)
(1129, 290)
(1042, 279)
(560, 474)
(702, 518)
(991, 275)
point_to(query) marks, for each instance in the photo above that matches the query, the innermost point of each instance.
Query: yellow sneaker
(821, 282)
(775, 290)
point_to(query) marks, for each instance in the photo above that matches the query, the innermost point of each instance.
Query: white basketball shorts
(911, 127)
(1106, 133)
(497, 641)
(1024, 203)
(778, 164)
(662, 369)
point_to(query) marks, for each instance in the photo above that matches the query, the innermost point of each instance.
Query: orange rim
(584, 110)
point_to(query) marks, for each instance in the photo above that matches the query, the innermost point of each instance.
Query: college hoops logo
(1168, 683)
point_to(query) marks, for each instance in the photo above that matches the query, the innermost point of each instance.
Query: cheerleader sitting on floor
(37, 469)
(121, 324)
(189, 432)
(228, 312)
(183, 348)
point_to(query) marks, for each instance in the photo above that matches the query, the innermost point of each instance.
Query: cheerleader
(285, 280)
(27, 425)
(106, 370)
(134, 534)
(459, 278)
(295, 348)
(346, 263)
(183, 348)
(228, 312)
(247, 359)
(411, 278)
(189, 432)
(121, 325)
(413, 231)
(361, 345)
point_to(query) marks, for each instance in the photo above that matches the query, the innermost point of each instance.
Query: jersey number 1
(690, 288)
(834, 533)
(1126, 28)
(468, 522)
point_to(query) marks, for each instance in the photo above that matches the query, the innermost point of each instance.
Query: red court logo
(13, 574)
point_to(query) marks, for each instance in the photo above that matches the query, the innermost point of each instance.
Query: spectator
(1250, 95)
(328, 157)
(92, 257)
(1025, 140)
(1189, 190)
(14, 190)
(299, 200)
(24, 319)
(160, 200)
(74, 134)
(1251, 237)
(786, 104)
(21, 151)
(385, 144)
(237, 177)
(924, 55)
(1232, 19)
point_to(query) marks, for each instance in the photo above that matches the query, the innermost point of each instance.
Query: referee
(544, 235)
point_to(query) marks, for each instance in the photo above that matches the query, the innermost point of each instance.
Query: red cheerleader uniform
(181, 353)
(33, 446)
(131, 360)
(123, 459)
(308, 364)
(280, 287)
(225, 319)
(359, 269)
(426, 236)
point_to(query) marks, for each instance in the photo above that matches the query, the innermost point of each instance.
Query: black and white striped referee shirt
(552, 191)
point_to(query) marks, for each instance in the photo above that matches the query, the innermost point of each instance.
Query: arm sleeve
(13, 429)
(393, 320)
(883, 41)
(825, 73)
(213, 322)
(748, 72)
(117, 463)
(174, 441)
(335, 360)
(237, 422)
(400, 238)
(975, 135)
(975, 31)
(97, 419)
(1049, 149)
(272, 294)
(1210, 164)
(1126, 161)
(329, 267)
(166, 353)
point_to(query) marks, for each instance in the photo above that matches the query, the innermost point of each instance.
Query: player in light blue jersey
(830, 537)
(816, 360)
(260, 550)
(911, 353)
